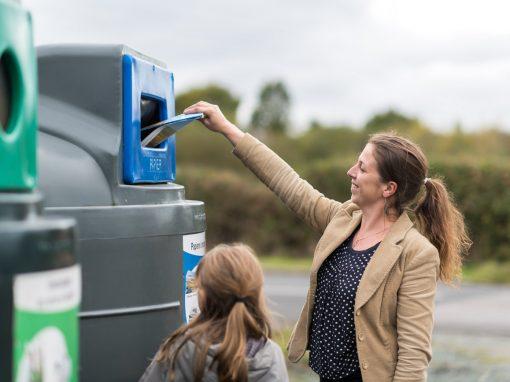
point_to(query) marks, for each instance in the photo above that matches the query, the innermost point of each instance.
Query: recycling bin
(139, 239)
(39, 278)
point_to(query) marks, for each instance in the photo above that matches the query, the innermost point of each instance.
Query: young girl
(230, 338)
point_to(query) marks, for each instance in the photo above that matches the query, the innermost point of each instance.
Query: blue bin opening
(152, 110)
(148, 97)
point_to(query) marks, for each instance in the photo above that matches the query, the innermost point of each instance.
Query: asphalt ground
(471, 340)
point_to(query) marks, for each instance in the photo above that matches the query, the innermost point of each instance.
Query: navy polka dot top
(332, 341)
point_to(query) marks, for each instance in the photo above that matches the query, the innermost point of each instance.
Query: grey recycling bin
(139, 239)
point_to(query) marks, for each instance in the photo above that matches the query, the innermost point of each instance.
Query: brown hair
(403, 162)
(232, 309)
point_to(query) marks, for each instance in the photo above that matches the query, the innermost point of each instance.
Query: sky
(443, 61)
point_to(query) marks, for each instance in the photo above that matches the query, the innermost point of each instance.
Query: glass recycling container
(139, 238)
(40, 282)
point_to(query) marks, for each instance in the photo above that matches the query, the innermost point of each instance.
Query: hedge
(240, 208)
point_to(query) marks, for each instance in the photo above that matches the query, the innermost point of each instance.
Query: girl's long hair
(402, 161)
(232, 310)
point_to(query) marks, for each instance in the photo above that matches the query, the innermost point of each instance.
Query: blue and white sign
(193, 249)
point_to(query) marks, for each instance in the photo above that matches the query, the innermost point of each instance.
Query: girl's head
(230, 279)
(392, 173)
(232, 310)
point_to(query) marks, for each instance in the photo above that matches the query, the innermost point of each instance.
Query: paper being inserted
(160, 131)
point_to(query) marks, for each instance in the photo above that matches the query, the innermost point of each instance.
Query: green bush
(240, 208)
(483, 195)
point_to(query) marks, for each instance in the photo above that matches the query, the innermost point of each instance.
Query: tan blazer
(394, 304)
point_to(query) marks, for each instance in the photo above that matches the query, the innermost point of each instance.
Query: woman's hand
(215, 121)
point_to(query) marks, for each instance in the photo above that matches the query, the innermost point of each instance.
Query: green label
(46, 306)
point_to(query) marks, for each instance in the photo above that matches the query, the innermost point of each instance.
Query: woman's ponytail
(443, 224)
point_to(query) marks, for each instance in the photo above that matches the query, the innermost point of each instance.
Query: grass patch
(490, 272)
(487, 272)
(300, 371)
(286, 263)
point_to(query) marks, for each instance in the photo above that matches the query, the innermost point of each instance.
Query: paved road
(468, 309)
(471, 342)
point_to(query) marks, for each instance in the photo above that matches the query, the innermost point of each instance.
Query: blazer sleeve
(297, 194)
(415, 316)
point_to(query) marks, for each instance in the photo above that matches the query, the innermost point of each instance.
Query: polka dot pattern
(332, 341)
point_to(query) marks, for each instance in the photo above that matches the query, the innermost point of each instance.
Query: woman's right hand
(215, 121)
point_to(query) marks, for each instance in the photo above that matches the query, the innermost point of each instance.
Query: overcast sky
(444, 61)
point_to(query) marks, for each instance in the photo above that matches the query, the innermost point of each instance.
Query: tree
(390, 120)
(272, 112)
(212, 93)
(195, 145)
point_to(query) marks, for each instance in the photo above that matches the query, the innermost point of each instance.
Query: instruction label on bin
(193, 249)
(45, 325)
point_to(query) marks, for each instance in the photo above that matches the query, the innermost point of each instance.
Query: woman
(369, 310)
(229, 341)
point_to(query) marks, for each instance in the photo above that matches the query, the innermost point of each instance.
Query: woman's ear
(390, 189)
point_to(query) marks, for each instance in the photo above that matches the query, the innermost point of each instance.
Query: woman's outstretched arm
(297, 194)
(215, 121)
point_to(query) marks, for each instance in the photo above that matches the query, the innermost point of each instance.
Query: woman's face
(366, 186)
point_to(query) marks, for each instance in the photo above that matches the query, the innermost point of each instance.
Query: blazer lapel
(340, 230)
(382, 260)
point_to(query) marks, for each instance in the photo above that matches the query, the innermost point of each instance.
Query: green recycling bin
(40, 282)
(18, 98)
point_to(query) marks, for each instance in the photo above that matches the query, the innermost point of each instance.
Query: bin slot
(5, 93)
(151, 112)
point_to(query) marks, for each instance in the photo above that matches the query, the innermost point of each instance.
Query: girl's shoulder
(158, 371)
(268, 364)
(265, 359)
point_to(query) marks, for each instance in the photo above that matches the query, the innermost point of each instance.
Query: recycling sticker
(45, 325)
(193, 249)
